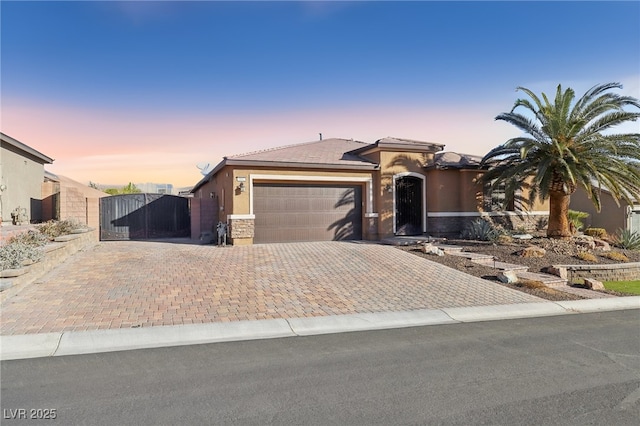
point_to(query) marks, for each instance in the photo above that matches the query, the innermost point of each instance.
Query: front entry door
(409, 206)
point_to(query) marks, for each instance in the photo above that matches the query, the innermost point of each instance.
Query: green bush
(627, 240)
(12, 256)
(481, 230)
(575, 219)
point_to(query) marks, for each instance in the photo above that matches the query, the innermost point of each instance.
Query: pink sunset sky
(120, 92)
(112, 147)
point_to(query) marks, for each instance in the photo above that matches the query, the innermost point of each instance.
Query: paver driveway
(143, 284)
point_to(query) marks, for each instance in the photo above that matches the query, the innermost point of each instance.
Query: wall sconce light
(388, 188)
(241, 187)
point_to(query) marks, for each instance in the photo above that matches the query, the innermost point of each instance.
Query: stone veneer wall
(241, 228)
(605, 272)
(452, 226)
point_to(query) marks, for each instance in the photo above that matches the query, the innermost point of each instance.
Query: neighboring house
(157, 188)
(612, 216)
(66, 199)
(21, 177)
(337, 189)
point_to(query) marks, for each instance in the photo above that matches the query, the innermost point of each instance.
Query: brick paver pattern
(143, 284)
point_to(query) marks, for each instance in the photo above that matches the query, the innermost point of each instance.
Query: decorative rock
(508, 277)
(532, 251)
(557, 271)
(591, 245)
(602, 245)
(429, 248)
(593, 284)
(522, 237)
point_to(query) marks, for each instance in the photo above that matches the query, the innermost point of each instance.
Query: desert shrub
(529, 283)
(504, 239)
(575, 219)
(12, 256)
(587, 257)
(55, 228)
(30, 238)
(596, 232)
(481, 230)
(615, 255)
(627, 240)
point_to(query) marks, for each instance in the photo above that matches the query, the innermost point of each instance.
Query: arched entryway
(409, 204)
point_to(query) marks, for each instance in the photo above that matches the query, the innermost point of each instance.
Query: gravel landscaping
(558, 252)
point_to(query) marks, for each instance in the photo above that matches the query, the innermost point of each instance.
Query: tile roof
(324, 152)
(455, 160)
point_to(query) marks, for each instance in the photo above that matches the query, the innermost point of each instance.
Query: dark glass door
(409, 206)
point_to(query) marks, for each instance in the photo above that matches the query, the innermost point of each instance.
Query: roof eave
(287, 164)
(209, 175)
(26, 148)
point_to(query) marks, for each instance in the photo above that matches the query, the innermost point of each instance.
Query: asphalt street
(572, 369)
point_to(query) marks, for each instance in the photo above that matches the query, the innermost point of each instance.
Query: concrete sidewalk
(74, 343)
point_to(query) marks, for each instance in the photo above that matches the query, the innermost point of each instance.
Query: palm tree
(565, 146)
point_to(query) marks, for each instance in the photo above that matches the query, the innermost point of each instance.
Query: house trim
(484, 214)
(310, 178)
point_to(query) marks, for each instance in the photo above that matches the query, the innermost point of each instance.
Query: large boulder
(593, 284)
(602, 245)
(429, 248)
(508, 277)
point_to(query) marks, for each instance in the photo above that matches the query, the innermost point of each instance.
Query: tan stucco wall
(23, 179)
(238, 202)
(393, 163)
(611, 217)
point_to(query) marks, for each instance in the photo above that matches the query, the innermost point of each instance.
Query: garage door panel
(290, 212)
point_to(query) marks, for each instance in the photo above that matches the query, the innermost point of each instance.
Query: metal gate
(144, 216)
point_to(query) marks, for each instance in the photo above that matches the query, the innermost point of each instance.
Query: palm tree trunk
(558, 209)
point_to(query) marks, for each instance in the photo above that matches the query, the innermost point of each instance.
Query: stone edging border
(603, 272)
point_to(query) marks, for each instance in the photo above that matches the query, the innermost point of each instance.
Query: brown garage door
(295, 212)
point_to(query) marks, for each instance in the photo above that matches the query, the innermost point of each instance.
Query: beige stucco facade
(21, 178)
(449, 197)
(612, 216)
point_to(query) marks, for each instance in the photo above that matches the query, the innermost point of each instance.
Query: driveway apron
(142, 284)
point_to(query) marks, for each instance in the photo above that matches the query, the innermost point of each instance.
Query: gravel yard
(558, 252)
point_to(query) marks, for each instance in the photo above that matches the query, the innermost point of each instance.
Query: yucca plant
(481, 230)
(627, 240)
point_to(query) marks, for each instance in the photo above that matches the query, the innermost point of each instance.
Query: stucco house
(337, 189)
(612, 216)
(21, 177)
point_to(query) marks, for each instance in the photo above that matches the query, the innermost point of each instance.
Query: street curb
(499, 312)
(173, 335)
(84, 342)
(368, 321)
